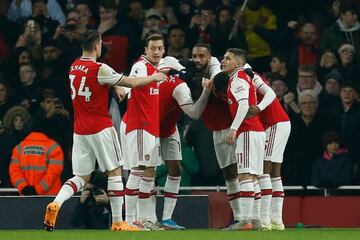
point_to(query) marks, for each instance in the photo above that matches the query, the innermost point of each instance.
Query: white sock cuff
(247, 185)
(172, 184)
(76, 183)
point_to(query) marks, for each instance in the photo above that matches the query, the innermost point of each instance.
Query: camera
(58, 103)
(70, 27)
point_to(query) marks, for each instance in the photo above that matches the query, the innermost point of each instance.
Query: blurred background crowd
(297, 45)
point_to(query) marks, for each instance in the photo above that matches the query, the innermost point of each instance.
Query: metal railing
(223, 188)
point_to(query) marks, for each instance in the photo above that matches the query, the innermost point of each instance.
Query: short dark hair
(238, 52)
(47, 93)
(349, 84)
(88, 39)
(174, 27)
(281, 56)
(154, 37)
(276, 77)
(108, 4)
(203, 45)
(35, 1)
(307, 68)
(347, 6)
(221, 81)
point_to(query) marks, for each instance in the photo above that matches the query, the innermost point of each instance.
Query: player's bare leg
(69, 188)
(266, 196)
(277, 198)
(171, 191)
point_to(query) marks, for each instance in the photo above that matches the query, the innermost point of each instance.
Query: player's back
(248, 124)
(272, 114)
(170, 111)
(90, 98)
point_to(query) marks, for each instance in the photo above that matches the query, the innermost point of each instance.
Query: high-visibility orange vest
(37, 161)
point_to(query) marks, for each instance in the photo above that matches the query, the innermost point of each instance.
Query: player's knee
(230, 172)
(276, 170)
(174, 168)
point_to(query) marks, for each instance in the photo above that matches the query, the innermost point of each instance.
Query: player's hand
(253, 111)
(120, 93)
(207, 83)
(159, 77)
(165, 70)
(292, 24)
(231, 137)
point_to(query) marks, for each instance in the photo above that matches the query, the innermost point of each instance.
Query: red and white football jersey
(89, 83)
(216, 115)
(272, 114)
(143, 103)
(242, 88)
(174, 93)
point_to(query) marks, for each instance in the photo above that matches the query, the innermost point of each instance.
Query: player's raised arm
(141, 81)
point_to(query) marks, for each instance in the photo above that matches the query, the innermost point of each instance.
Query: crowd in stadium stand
(297, 45)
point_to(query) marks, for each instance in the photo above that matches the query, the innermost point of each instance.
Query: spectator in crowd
(19, 56)
(328, 62)
(5, 102)
(36, 165)
(184, 12)
(261, 26)
(334, 168)
(31, 38)
(347, 115)
(166, 12)
(86, 15)
(14, 127)
(329, 96)
(345, 29)
(67, 37)
(122, 44)
(29, 88)
(202, 25)
(40, 15)
(279, 65)
(349, 68)
(307, 79)
(305, 50)
(53, 72)
(8, 31)
(23, 9)
(136, 15)
(176, 43)
(278, 84)
(152, 23)
(304, 144)
(226, 33)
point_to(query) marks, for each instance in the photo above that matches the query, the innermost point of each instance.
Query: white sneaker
(265, 227)
(277, 227)
(151, 226)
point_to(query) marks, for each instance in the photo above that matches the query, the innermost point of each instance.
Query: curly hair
(12, 113)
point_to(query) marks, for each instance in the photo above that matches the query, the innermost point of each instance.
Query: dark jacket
(332, 171)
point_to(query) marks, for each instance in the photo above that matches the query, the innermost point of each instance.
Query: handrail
(223, 188)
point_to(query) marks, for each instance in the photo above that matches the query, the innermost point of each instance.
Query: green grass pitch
(291, 234)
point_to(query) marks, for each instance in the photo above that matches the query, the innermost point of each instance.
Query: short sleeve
(170, 62)
(215, 67)
(182, 95)
(107, 75)
(138, 70)
(240, 89)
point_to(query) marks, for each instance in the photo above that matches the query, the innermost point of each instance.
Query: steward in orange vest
(36, 165)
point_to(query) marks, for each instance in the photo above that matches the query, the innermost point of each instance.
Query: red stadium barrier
(311, 211)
